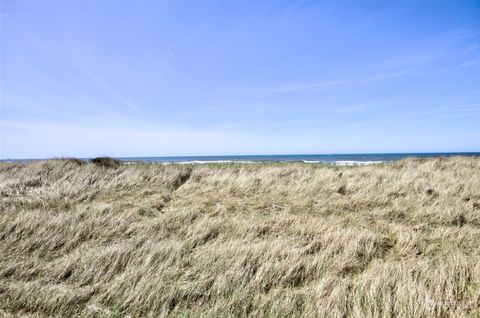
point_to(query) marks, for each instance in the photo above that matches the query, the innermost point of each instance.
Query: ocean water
(339, 159)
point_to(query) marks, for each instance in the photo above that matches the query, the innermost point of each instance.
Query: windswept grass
(290, 240)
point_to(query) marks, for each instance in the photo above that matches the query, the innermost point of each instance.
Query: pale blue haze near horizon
(165, 78)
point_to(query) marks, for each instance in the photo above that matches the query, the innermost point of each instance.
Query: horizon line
(254, 155)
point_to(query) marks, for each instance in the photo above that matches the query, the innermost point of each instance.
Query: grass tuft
(106, 162)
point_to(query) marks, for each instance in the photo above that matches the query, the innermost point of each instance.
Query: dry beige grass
(394, 240)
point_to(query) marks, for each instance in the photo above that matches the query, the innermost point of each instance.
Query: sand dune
(292, 240)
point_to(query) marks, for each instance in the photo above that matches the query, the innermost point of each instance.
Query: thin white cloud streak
(440, 47)
(378, 77)
(371, 78)
(420, 117)
(448, 109)
(307, 86)
(72, 57)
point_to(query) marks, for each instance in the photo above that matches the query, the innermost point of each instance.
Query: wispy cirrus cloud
(443, 53)
(344, 82)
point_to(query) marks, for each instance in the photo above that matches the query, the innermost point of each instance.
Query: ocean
(339, 159)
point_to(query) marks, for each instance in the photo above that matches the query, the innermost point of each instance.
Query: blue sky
(151, 78)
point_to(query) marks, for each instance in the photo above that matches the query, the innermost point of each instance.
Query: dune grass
(262, 240)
